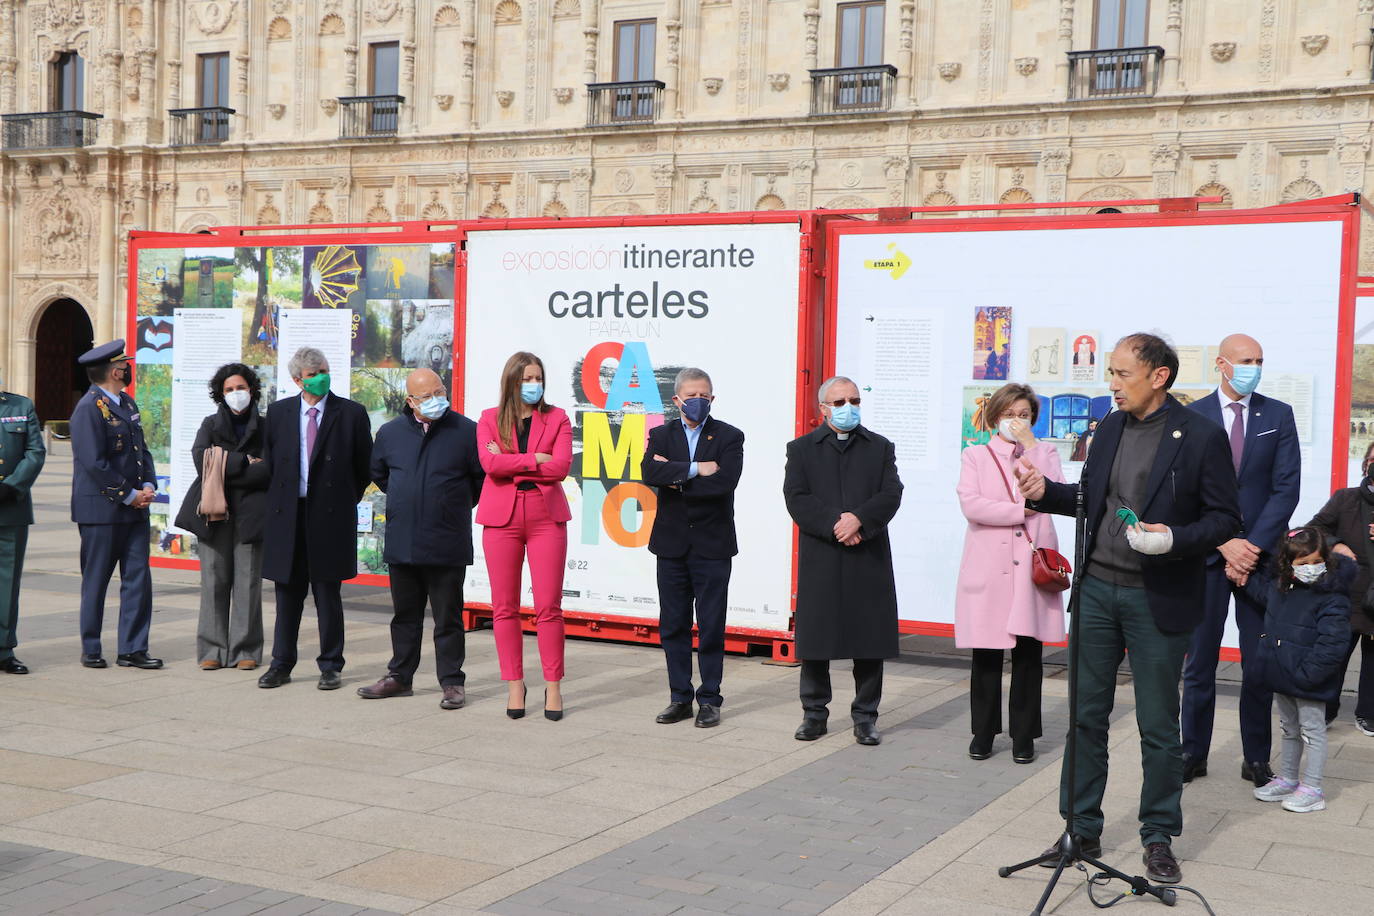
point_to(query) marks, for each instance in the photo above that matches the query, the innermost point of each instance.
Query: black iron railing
(363, 116)
(49, 129)
(635, 102)
(850, 89)
(1117, 73)
(198, 126)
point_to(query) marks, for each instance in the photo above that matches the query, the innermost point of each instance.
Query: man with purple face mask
(695, 463)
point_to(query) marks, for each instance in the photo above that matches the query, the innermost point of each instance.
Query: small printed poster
(991, 342)
(1045, 355)
(1085, 357)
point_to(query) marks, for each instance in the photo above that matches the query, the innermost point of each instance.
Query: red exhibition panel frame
(1345, 209)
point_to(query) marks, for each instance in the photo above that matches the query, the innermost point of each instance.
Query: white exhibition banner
(328, 330)
(206, 338)
(930, 340)
(614, 314)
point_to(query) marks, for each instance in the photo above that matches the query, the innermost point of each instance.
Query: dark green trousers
(1114, 620)
(13, 540)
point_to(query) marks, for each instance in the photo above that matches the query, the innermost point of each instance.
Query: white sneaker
(1276, 789)
(1305, 799)
(1365, 726)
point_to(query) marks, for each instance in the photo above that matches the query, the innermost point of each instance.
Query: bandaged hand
(1150, 539)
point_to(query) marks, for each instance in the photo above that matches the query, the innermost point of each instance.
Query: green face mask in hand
(317, 384)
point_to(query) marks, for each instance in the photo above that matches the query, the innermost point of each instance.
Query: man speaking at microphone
(1159, 493)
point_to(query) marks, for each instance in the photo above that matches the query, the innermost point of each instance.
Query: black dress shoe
(810, 730)
(708, 716)
(13, 666)
(866, 733)
(1090, 848)
(1023, 753)
(274, 677)
(1193, 767)
(329, 680)
(1258, 772)
(980, 748)
(1160, 865)
(675, 712)
(94, 661)
(138, 660)
(553, 715)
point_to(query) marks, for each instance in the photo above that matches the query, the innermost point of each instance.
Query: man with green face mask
(317, 447)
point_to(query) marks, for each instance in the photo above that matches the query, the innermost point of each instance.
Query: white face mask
(238, 400)
(1004, 428)
(1309, 572)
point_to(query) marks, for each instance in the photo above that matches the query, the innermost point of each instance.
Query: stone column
(1061, 63)
(408, 68)
(1173, 41)
(9, 61)
(6, 281)
(1361, 48)
(138, 188)
(1054, 162)
(467, 111)
(106, 307)
(1164, 162)
(906, 54)
(672, 106)
(241, 78)
(174, 13)
(802, 171)
(812, 17)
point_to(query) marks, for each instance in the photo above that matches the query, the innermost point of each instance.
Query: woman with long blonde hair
(525, 446)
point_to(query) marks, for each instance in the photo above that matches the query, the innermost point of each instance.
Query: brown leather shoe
(389, 686)
(454, 697)
(1160, 865)
(210, 665)
(246, 664)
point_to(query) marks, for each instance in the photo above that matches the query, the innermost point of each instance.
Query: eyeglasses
(841, 402)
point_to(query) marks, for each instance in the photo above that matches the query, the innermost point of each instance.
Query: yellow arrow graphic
(896, 265)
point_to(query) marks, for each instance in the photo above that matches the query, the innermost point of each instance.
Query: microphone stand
(1069, 849)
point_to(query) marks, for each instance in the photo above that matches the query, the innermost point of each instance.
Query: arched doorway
(64, 333)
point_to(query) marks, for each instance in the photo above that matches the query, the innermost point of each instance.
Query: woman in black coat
(230, 550)
(1346, 522)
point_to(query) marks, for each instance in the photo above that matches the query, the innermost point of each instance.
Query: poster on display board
(614, 314)
(927, 348)
(377, 311)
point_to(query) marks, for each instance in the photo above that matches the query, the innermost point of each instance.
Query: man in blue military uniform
(21, 458)
(112, 487)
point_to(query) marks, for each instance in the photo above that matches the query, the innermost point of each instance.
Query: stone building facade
(304, 111)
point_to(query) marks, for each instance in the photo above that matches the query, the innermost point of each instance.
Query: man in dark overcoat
(842, 489)
(318, 447)
(114, 481)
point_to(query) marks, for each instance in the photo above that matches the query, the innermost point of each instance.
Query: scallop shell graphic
(334, 275)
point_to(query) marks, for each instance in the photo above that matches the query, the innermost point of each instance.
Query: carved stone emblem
(276, 110)
(564, 94)
(778, 82)
(1314, 44)
(949, 72)
(1222, 51)
(504, 97)
(712, 84)
(444, 101)
(1110, 164)
(1027, 65)
(213, 18)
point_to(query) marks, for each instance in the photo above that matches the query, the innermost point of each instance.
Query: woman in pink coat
(525, 446)
(998, 606)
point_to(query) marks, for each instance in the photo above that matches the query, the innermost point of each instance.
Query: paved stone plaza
(183, 791)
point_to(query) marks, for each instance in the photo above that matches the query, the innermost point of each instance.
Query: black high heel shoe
(553, 715)
(520, 712)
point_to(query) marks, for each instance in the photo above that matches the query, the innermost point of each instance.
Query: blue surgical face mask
(844, 418)
(695, 410)
(1245, 378)
(531, 392)
(432, 408)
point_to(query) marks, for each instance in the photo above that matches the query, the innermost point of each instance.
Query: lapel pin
(709, 438)
(1178, 434)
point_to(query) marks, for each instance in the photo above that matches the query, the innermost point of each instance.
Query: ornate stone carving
(203, 196)
(624, 181)
(712, 84)
(507, 12)
(279, 29)
(1164, 156)
(60, 232)
(1027, 65)
(213, 18)
(495, 209)
(1267, 19)
(896, 167)
(66, 14)
(1222, 51)
(940, 197)
(504, 97)
(381, 11)
(378, 213)
(703, 202)
(332, 24)
(329, 106)
(1215, 188)
(458, 182)
(276, 110)
(1055, 160)
(1314, 44)
(1110, 164)
(850, 175)
(268, 214)
(445, 17)
(811, 33)
(434, 210)
(663, 173)
(950, 70)
(320, 212)
(567, 9)
(563, 94)
(444, 100)
(281, 6)
(778, 82)
(233, 189)
(622, 208)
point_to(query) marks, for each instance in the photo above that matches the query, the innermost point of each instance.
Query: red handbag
(1050, 570)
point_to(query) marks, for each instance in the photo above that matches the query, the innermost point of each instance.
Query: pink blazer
(550, 433)
(996, 601)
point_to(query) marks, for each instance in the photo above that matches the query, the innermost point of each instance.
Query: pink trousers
(530, 532)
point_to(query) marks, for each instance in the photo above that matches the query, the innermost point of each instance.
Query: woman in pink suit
(998, 606)
(525, 446)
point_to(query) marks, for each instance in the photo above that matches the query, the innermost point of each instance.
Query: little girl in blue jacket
(1300, 655)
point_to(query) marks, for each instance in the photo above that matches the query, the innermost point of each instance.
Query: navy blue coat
(110, 459)
(1306, 634)
(696, 513)
(431, 481)
(1191, 488)
(1270, 469)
